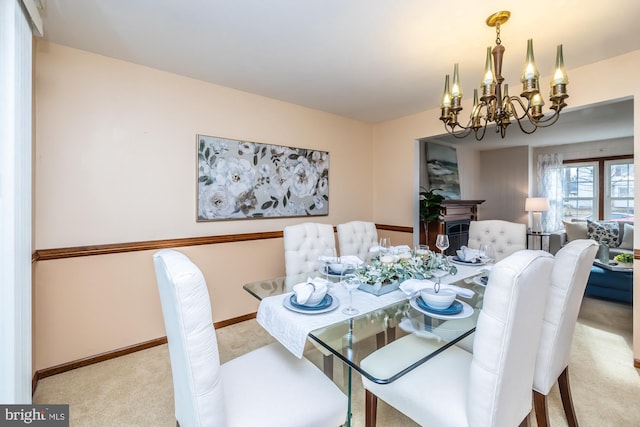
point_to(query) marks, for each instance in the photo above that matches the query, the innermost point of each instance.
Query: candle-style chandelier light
(495, 105)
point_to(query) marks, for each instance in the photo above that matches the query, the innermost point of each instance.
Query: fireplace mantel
(456, 218)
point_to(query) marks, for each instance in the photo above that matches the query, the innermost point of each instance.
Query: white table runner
(291, 328)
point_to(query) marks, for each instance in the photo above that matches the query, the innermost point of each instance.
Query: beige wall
(504, 175)
(115, 158)
(599, 82)
(116, 150)
(115, 162)
(606, 148)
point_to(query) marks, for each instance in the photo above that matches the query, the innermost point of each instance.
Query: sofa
(610, 285)
(579, 229)
(602, 283)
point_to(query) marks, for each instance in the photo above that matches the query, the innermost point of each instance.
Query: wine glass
(442, 243)
(329, 256)
(385, 244)
(374, 252)
(490, 254)
(351, 283)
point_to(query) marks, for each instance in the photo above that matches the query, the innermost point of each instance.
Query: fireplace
(458, 214)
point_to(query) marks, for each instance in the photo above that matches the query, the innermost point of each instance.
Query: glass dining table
(352, 338)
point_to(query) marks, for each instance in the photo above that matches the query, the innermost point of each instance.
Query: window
(619, 188)
(580, 191)
(599, 189)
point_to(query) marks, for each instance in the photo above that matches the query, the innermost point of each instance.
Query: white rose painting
(246, 180)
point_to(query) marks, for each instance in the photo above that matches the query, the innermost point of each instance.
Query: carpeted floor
(136, 390)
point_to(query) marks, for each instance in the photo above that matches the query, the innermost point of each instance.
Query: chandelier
(495, 105)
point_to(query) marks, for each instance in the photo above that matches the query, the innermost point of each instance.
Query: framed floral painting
(248, 180)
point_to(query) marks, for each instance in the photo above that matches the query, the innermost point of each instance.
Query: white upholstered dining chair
(266, 387)
(492, 385)
(568, 281)
(505, 237)
(304, 244)
(356, 238)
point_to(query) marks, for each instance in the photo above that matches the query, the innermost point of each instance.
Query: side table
(538, 241)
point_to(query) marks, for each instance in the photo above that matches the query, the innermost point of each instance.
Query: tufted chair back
(568, 281)
(304, 244)
(506, 341)
(193, 347)
(505, 237)
(492, 385)
(356, 238)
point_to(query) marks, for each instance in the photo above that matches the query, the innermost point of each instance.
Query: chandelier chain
(498, 41)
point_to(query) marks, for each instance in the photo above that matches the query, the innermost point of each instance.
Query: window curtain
(16, 25)
(549, 171)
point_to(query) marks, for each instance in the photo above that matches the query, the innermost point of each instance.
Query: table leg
(349, 370)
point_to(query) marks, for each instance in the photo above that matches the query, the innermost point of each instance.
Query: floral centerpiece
(385, 274)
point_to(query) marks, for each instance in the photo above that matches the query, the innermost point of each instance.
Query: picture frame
(239, 179)
(442, 170)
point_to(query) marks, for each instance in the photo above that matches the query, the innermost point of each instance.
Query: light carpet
(136, 389)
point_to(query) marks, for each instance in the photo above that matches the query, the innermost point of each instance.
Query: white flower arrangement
(394, 268)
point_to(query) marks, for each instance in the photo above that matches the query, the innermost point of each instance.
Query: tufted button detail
(304, 244)
(356, 237)
(506, 237)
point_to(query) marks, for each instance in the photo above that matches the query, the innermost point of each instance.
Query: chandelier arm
(451, 129)
(525, 109)
(548, 121)
(542, 122)
(528, 132)
(463, 133)
(484, 130)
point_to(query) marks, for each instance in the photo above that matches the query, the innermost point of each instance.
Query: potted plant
(431, 209)
(624, 260)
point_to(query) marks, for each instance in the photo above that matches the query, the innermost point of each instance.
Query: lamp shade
(536, 204)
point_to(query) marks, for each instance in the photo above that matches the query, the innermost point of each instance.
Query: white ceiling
(370, 60)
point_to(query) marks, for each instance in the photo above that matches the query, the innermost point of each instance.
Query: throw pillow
(575, 230)
(627, 237)
(607, 233)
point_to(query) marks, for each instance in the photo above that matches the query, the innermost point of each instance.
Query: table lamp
(537, 205)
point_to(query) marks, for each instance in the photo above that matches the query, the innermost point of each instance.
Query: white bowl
(338, 268)
(317, 296)
(440, 300)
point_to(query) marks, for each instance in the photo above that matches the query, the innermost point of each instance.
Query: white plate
(287, 304)
(454, 259)
(478, 281)
(467, 310)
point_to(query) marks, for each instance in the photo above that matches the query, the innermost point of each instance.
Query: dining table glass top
(381, 321)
